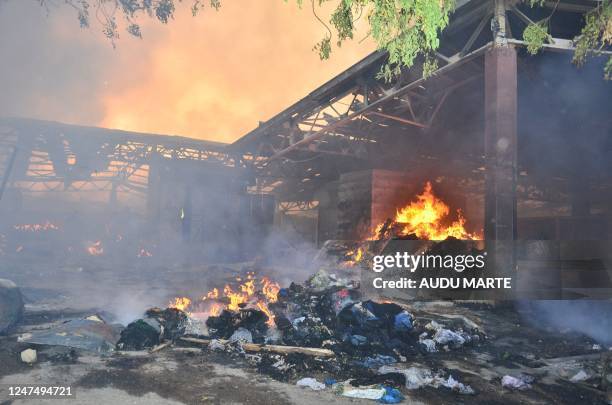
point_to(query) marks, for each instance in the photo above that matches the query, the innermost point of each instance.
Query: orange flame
(180, 303)
(212, 294)
(270, 289)
(353, 257)
(264, 308)
(248, 288)
(252, 292)
(215, 310)
(95, 249)
(426, 218)
(236, 298)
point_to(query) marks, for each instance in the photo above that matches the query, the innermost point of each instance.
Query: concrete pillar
(500, 156)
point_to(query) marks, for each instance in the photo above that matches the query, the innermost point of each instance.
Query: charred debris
(324, 328)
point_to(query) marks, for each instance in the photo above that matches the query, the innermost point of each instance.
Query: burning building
(509, 139)
(259, 252)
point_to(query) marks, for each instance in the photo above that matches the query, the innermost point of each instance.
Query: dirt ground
(188, 375)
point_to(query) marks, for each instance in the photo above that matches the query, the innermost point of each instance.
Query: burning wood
(270, 289)
(180, 303)
(252, 293)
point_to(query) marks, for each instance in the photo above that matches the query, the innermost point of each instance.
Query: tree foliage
(107, 12)
(406, 29)
(595, 35)
(535, 35)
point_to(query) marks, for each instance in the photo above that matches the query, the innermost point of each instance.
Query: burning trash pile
(426, 218)
(322, 328)
(325, 327)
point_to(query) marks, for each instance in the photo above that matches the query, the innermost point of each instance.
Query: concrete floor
(177, 376)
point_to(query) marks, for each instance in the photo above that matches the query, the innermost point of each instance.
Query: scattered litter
(522, 382)
(87, 334)
(364, 393)
(281, 364)
(140, 334)
(358, 340)
(216, 344)
(391, 396)
(241, 335)
(448, 337)
(273, 336)
(157, 325)
(429, 344)
(322, 280)
(330, 381)
(196, 326)
(457, 386)
(224, 325)
(417, 377)
(579, 376)
(310, 383)
(378, 361)
(403, 321)
(29, 356)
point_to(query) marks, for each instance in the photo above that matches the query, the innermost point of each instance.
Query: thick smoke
(212, 77)
(593, 318)
(565, 130)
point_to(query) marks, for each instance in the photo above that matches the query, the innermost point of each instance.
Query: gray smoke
(44, 75)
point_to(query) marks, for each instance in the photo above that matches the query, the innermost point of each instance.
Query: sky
(213, 76)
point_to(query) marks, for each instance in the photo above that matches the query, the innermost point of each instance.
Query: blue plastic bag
(403, 322)
(392, 396)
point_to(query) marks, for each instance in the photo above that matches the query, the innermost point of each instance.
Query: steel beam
(379, 102)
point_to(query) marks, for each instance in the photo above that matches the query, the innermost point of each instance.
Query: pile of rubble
(320, 328)
(325, 335)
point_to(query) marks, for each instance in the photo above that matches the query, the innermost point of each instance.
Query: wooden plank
(254, 347)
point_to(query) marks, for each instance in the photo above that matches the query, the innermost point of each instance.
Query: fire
(236, 298)
(248, 288)
(45, 226)
(270, 289)
(427, 218)
(215, 310)
(353, 257)
(253, 292)
(95, 249)
(264, 308)
(212, 294)
(180, 303)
